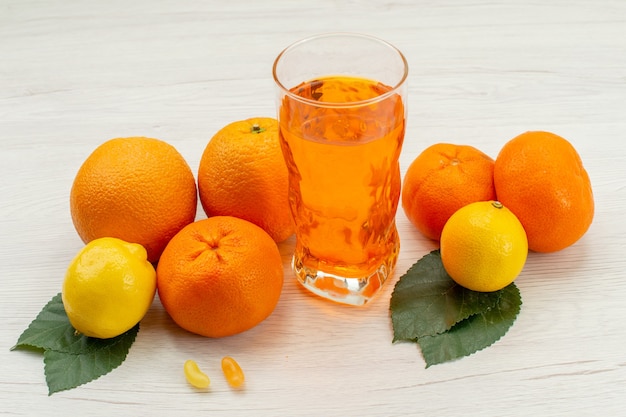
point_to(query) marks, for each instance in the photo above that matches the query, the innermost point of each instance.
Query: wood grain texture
(75, 73)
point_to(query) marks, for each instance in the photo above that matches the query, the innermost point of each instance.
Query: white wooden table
(76, 73)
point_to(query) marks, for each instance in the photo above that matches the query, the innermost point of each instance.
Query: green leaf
(474, 333)
(49, 327)
(65, 370)
(72, 359)
(426, 301)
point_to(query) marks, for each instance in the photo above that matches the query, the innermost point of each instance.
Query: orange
(243, 174)
(540, 177)
(220, 276)
(441, 180)
(136, 189)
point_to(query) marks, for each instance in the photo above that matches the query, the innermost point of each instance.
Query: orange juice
(341, 138)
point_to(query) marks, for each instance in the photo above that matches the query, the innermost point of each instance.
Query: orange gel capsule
(194, 375)
(232, 372)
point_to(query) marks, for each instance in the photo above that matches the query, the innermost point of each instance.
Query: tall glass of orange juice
(342, 112)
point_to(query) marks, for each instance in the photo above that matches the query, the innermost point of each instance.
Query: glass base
(346, 290)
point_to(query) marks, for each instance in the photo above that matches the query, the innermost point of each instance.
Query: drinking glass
(341, 101)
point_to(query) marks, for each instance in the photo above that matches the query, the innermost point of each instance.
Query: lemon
(108, 287)
(483, 246)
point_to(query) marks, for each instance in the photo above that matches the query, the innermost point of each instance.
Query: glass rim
(387, 94)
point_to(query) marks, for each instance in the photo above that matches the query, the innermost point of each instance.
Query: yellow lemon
(483, 246)
(108, 287)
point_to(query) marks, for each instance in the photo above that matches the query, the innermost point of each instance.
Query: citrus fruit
(483, 246)
(220, 276)
(441, 180)
(242, 173)
(108, 287)
(540, 177)
(137, 189)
